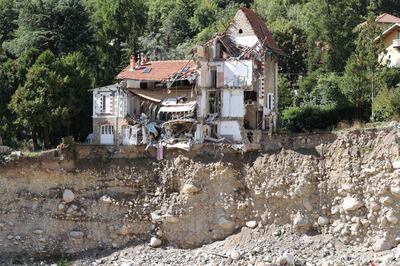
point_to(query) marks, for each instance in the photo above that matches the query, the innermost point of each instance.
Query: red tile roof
(387, 18)
(160, 70)
(261, 30)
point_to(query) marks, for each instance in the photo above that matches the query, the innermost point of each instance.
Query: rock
(155, 242)
(323, 221)
(382, 244)
(351, 204)
(392, 217)
(251, 224)
(171, 219)
(234, 254)
(300, 221)
(307, 205)
(387, 201)
(155, 217)
(38, 231)
(68, 196)
(106, 199)
(189, 189)
(76, 234)
(395, 190)
(396, 164)
(286, 259)
(226, 224)
(375, 206)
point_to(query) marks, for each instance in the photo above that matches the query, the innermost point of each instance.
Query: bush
(386, 105)
(310, 117)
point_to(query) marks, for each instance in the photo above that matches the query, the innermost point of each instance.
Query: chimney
(132, 63)
(143, 59)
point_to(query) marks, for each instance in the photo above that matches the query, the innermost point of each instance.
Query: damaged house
(237, 81)
(228, 94)
(146, 97)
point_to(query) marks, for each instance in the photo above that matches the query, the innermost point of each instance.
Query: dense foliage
(52, 52)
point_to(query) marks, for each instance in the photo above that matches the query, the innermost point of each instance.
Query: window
(213, 78)
(107, 129)
(103, 104)
(147, 70)
(240, 31)
(270, 102)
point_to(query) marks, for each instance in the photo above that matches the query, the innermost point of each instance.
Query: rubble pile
(337, 204)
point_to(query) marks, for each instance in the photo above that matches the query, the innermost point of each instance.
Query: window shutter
(97, 103)
(109, 105)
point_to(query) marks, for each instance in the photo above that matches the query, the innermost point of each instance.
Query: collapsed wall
(348, 186)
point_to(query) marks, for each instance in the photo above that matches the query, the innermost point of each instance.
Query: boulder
(155, 242)
(351, 204)
(251, 224)
(76, 234)
(396, 164)
(395, 190)
(323, 221)
(382, 244)
(392, 217)
(286, 259)
(189, 189)
(68, 196)
(301, 222)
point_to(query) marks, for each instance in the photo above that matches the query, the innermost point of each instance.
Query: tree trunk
(46, 138)
(35, 139)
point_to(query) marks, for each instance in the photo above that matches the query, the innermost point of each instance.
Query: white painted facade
(106, 100)
(230, 130)
(238, 73)
(232, 103)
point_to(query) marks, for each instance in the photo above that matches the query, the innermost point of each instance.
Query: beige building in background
(391, 40)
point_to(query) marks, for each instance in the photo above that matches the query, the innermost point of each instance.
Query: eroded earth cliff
(341, 194)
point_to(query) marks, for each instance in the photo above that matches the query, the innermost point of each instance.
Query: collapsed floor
(347, 190)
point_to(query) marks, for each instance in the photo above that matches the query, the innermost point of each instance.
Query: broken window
(250, 97)
(213, 78)
(270, 101)
(214, 102)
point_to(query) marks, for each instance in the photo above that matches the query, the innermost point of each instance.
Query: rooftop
(261, 30)
(159, 70)
(387, 18)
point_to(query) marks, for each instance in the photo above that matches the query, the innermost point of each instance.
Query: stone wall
(98, 122)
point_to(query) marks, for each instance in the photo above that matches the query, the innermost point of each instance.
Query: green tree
(54, 97)
(8, 17)
(37, 103)
(358, 83)
(118, 25)
(61, 26)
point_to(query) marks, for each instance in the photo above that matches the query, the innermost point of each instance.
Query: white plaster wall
(232, 103)
(230, 129)
(248, 41)
(237, 70)
(133, 84)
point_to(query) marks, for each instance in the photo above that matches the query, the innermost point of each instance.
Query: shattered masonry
(227, 92)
